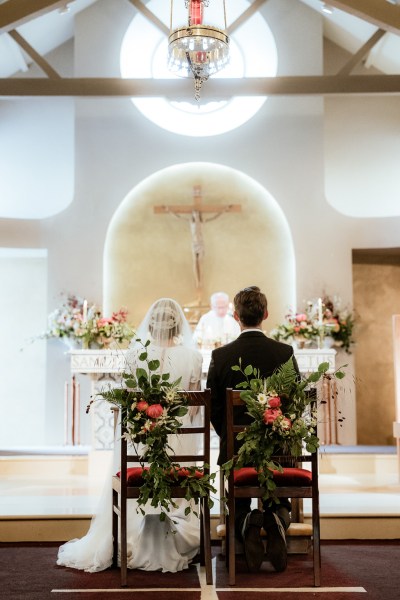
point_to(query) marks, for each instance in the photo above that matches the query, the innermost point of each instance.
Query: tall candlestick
(84, 312)
(319, 311)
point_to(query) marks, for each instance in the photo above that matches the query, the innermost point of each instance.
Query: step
(52, 497)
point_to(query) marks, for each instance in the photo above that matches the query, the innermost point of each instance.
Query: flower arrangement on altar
(66, 320)
(338, 323)
(297, 326)
(78, 322)
(151, 411)
(105, 330)
(282, 420)
(322, 323)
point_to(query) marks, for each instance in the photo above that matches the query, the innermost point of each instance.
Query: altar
(104, 367)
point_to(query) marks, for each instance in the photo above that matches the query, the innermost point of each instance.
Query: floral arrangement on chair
(282, 420)
(74, 320)
(151, 410)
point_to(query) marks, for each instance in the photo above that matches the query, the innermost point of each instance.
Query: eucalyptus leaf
(141, 373)
(153, 365)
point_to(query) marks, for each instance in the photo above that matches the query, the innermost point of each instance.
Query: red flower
(142, 406)
(274, 402)
(154, 411)
(270, 414)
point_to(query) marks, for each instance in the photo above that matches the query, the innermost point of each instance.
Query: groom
(255, 349)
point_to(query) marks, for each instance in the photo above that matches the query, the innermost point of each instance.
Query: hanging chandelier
(195, 49)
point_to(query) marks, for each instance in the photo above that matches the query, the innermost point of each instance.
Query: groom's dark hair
(250, 305)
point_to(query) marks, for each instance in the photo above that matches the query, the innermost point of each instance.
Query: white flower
(262, 398)
(170, 395)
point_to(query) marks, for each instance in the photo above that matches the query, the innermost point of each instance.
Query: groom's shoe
(253, 544)
(276, 541)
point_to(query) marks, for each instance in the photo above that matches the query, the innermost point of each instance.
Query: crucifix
(194, 214)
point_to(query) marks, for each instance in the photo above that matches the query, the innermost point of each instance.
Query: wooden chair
(293, 483)
(125, 487)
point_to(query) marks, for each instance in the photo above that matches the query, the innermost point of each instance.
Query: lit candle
(196, 12)
(85, 311)
(320, 311)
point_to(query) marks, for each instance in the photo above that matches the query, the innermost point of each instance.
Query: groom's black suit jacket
(255, 349)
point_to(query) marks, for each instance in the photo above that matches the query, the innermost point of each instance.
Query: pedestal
(308, 361)
(104, 367)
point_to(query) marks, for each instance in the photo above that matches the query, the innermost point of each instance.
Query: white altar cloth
(104, 368)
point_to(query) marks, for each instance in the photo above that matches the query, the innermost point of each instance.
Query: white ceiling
(47, 32)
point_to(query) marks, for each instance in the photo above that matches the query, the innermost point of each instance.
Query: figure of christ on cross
(195, 216)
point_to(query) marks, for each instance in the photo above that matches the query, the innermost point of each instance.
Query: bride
(152, 544)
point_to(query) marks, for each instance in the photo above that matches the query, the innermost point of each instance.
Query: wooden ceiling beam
(150, 16)
(362, 52)
(15, 13)
(35, 56)
(178, 89)
(378, 12)
(249, 12)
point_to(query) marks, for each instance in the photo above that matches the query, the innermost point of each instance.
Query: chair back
(198, 399)
(293, 482)
(127, 485)
(233, 400)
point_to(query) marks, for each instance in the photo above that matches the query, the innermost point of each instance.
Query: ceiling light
(195, 49)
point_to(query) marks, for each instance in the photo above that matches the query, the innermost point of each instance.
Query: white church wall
(281, 148)
(23, 309)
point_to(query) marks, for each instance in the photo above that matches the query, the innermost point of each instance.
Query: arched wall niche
(148, 255)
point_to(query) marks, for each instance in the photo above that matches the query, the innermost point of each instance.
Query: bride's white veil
(165, 324)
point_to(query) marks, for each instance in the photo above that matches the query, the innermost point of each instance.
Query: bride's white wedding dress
(152, 544)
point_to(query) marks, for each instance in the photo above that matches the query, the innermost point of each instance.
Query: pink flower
(103, 321)
(301, 317)
(274, 402)
(270, 414)
(120, 316)
(154, 411)
(286, 423)
(142, 405)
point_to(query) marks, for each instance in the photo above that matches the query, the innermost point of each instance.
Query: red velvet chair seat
(289, 477)
(134, 475)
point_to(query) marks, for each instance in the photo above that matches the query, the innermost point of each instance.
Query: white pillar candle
(84, 311)
(320, 311)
